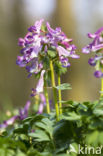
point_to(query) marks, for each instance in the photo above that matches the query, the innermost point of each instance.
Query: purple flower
(8, 122)
(36, 44)
(64, 54)
(23, 113)
(62, 51)
(21, 42)
(86, 50)
(53, 32)
(34, 67)
(92, 61)
(96, 44)
(36, 27)
(64, 61)
(31, 48)
(98, 74)
(40, 85)
(42, 104)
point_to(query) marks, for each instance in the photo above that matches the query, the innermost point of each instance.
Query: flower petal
(62, 51)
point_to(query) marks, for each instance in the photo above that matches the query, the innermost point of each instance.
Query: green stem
(47, 99)
(54, 90)
(60, 95)
(102, 85)
(30, 140)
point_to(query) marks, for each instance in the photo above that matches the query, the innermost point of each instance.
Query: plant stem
(102, 85)
(47, 99)
(60, 95)
(30, 140)
(54, 90)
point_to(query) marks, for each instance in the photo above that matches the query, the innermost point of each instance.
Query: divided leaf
(40, 135)
(64, 86)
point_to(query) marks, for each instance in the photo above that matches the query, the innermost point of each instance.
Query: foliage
(41, 135)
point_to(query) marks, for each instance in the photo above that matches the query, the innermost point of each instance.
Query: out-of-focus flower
(8, 122)
(23, 113)
(42, 103)
(8, 113)
(96, 47)
(98, 74)
(96, 44)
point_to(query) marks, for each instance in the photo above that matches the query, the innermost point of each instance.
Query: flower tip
(34, 92)
(92, 61)
(98, 74)
(85, 50)
(91, 35)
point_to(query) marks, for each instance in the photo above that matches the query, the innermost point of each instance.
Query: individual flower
(34, 67)
(42, 103)
(23, 112)
(98, 74)
(93, 60)
(64, 61)
(36, 27)
(40, 85)
(8, 122)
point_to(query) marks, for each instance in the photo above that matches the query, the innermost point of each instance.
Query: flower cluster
(23, 113)
(96, 47)
(42, 41)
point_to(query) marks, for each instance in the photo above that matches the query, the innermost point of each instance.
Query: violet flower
(8, 122)
(40, 85)
(36, 27)
(23, 113)
(98, 74)
(96, 44)
(37, 40)
(64, 62)
(96, 47)
(31, 46)
(42, 104)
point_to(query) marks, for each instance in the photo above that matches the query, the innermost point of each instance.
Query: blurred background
(76, 18)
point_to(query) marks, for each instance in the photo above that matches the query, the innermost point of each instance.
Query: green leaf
(72, 116)
(58, 68)
(26, 119)
(52, 53)
(36, 118)
(47, 125)
(98, 112)
(63, 86)
(23, 129)
(92, 138)
(40, 135)
(43, 28)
